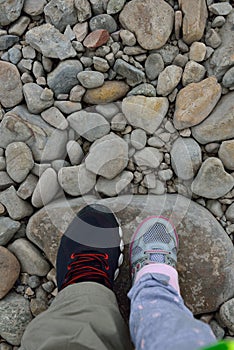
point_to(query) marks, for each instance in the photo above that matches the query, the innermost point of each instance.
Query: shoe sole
(121, 247)
(161, 218)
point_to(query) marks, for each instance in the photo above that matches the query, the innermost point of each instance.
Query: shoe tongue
(156, 257)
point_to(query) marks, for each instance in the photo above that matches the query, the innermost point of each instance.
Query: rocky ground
(129, 102)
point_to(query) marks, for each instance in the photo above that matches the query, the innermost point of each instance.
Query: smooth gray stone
(7, 41)
(10, 85)
(228, 79)
(34, 8)
(30, 258)
(168, 53)
(219, 125)
(103, 21)
(108, 156)
(5, 180)
(8, 228)
(154, 65)
(186, 157)
(198, 239)
(10, 10)
(32, 93)
(64, 77)
(50, 42)
(212, 181)
(133, 75)
(223, 57)
(91, 126)
(91, 79)
(76, 180)
(46, 188)
(45, 142)
(115, 186)
(16, 207)
(221, 8)
(60, 13)
(19, 161)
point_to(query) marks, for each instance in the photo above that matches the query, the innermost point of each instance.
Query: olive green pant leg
(83, 316)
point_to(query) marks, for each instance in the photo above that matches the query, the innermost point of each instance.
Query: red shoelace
(88, 267)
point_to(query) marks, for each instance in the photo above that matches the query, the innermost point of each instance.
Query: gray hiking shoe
(155, 241)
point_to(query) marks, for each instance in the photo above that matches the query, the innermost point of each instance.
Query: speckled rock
(83, 9)
(15, 315)
(226, 314)
(151, 21)
(19, 161)
(115, 6)
(10, 85)
(27, 187)
(9, 271)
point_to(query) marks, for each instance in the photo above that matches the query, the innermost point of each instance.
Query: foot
(155, 241)
(91, 248)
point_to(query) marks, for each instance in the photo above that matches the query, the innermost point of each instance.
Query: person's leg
(85, 314)
(159, 319)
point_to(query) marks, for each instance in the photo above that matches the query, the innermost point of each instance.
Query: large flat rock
(206, 254)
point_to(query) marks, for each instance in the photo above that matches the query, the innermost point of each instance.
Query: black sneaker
(91, 248)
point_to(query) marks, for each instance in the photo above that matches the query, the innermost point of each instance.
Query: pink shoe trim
(142, 223)
(163, 269)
